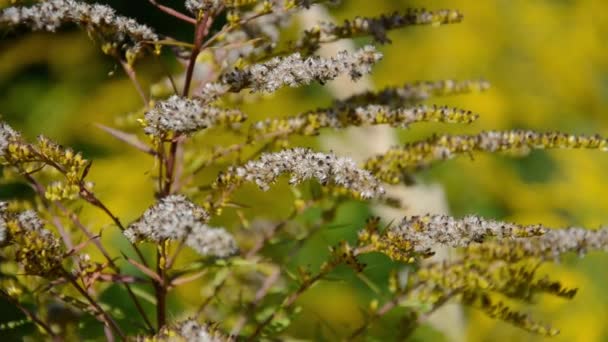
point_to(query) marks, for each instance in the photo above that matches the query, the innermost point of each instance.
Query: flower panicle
(310, 123)
(390, 166)
(303, 164)
(26, 157)
(479, 284)
(117, 33)
(550, 246)
(418, 91)
(500, 310)
(182, 115)
(377, 27)
(417, 235)
(295, 70)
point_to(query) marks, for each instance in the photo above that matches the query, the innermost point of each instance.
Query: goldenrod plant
(58, 270)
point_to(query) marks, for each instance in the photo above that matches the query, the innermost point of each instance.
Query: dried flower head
(389, 166)
(295, 71)
(176, 218)
(424, 232)
(303, 164)
(7, 136)
(182, 115)
(117, 33)
(190, 331)
(195, 6)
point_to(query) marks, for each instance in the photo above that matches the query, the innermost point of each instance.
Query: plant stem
(105, 316)
(133, 76)
(289, 301)
(39, 188)
(200, 31)
(161, 288)
(28, 313)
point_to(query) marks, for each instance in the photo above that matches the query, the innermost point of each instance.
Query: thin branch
(168, 74)
(161, 287)
(174, 13)
(32, 316)
(105, 316)
(133, 76)
(130, 139)
(199, 35)
(289, 301)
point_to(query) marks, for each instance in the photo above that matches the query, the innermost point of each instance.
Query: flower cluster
(254, 38)
(394, 162)
(176, 218)
(188, 331)
(418, 91)
(7, 136)
(304, 164)
(474, 282)
(551, 245)
(25, 157)
(195, 6)
(310, 123)
(118, 33)
(183, 115)
(294, 70)
(377, 27)
(37, 250)
(424, 232)
(418, 235)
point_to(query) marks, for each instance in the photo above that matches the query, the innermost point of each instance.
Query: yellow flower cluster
(36, 249)
(32, 158)
(479, 283)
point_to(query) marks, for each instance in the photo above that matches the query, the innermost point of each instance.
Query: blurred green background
(547, 61)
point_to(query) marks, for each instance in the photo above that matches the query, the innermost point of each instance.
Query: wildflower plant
(45, 244)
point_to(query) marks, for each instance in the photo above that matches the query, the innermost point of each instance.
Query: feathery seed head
(295, 71)
(303, 164)
(182, 115)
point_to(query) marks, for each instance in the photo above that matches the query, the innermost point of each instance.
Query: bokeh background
(547, 62)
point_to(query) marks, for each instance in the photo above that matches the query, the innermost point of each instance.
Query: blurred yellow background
(547, 61)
